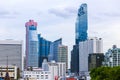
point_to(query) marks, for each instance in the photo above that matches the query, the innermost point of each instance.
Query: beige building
(12, 70)
(63, 54)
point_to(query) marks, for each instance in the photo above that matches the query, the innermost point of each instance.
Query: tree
(105, 73)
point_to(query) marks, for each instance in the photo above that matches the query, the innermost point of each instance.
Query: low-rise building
(57, 69)
(36, 74)
(12, 71)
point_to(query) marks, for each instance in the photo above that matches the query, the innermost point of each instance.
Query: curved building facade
(31, 44)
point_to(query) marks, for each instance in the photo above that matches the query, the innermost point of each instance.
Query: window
(42, 77)
(46, 76)
(37, 76)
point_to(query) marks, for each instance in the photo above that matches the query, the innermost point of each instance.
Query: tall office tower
(11, 51)
(31, 44)
(87, 47)
(75, 59)
(112, 57)
(81, 24)
(44, 49)
(80, 35)
(54, 50)
(63, 54)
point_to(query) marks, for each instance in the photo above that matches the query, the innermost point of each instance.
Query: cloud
(64, 13)
(113, 14)
(8, 14)
(4, 12)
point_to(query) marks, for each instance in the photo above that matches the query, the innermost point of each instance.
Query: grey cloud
(8, 14)
(113, 14)
(71, 10)
(64, 13)
(2, 13)
(104, 17)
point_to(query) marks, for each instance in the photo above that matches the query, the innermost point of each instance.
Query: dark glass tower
(81, 24)
(44, 49)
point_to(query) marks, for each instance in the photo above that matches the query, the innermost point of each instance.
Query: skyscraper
(54, 50)
(75, 59)
(31, 44)
(81, 24)
(44, 49)
(80, 35)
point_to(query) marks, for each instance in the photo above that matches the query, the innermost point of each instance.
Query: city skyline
(58, 20)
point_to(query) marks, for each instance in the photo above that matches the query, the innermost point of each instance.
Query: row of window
(38, 76)
(36, 72)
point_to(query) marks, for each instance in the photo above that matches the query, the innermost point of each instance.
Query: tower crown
(31, 23)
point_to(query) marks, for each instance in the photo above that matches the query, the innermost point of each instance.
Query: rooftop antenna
(7, 62)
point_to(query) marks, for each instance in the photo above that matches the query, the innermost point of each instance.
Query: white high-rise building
(92, 45)
(95, 45)
(112, 57)
(11, 51)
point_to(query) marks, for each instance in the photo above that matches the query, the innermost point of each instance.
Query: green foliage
(105, 73)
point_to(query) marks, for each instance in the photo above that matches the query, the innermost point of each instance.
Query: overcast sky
(56, 19)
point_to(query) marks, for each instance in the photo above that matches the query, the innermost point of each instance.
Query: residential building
(92, 45)
(63, 54)
(112, 57)
(32, 56)
(11, 50)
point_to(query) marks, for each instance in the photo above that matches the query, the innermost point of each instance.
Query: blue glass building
(54, 50)
(81, 24)
(44, 49)
(80, 35)
(31, 44)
